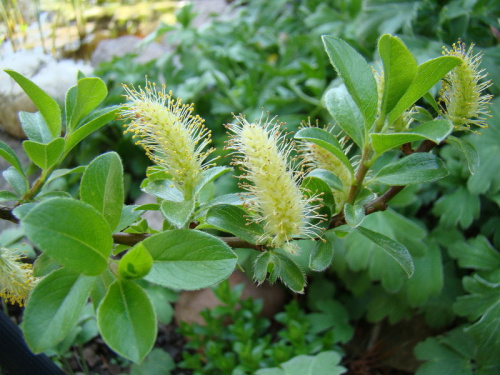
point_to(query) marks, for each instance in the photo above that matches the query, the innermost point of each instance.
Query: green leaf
(468, 150)
(17, 180)
(321, 255)
(448, 355)
(102, 187)
(136, 263)
(232, 219)
(177, 213)
(54, 307)
(71, 232)
(326, 140)
(91, 92)
(44, 155)
(395, 249)
(188, 259)
(163, 189)
(477, 253)
(435, 131)
(457, 207)
(210, 175)
(35, 127)
(413, 169)
(324, 363)
(290, 273)
(354, 215)
(127, 321)
(44, 265)
(158, 362)
(266, 263)
(47, 106)
(346, 113)
(10, 157)
(100, 119)
(329, 177)
(7, 196)
(428, 74)
(400, 69)
(356, 75)
(314, 186)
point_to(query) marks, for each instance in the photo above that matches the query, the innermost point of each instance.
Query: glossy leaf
(188, 259)
(329, 177)
(428, 74)
(54, 307)
(266, 263)
(100, 119)
(47, 106)
(163, 189)
(44, 155)
(91, 92)
(71, 232)
(356, 75)
(413, 169)
(233, 219)
(127, 321)
(400, 69)
(435, 131)
(321, 255)
(177, 213)
(395, 249)
(136, 263)
(210, 175)
(346, 113)
(354, 215)
(326, 140)
(314, 186)
(102, 187)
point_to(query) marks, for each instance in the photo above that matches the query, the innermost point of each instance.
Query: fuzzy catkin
(171, 136)
(278, 201)
(16, 278)
(464, 102)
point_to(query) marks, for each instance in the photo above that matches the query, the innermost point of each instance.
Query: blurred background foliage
(267, 56)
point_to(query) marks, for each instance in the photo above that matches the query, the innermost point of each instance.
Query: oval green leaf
(127, 321)
(47, 106)
(413, 169)
(54, 307)
(400, 69)
(435, 131)
(290, 273)
(91, 92)
(321, 255)
(177, 213)
(136, 263)
(395, 249)
(356, 75)
(188, 259)
(10, 157)
(232, 219)
(71, 232)
(341, 106)
(428, 74)
(102, 186)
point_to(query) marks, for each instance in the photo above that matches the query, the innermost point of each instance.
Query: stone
(191, 303)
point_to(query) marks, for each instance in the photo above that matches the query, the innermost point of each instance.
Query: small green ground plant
(317, 202)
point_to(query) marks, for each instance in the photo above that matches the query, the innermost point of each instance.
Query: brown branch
(131, 239)
(6, 214)
(380, 203)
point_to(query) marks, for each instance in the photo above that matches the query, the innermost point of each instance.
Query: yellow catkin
(278, 203)
(462, 97)
(172, 137)
(16, 278)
